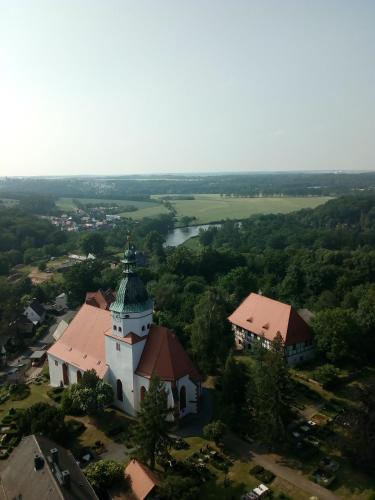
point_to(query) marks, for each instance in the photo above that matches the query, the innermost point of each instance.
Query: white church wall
(120, 358)
(191, 395)
(56, 371)
(138, 323)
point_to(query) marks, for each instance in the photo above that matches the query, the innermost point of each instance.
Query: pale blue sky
(97, 87)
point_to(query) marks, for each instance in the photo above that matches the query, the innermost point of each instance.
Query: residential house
(261, 318)
(35, 312)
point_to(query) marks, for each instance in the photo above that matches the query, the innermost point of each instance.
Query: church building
(126, 349)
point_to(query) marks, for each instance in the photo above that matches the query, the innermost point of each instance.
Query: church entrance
(65, 374)
(182, 398)
(120, 395)
(143, 393)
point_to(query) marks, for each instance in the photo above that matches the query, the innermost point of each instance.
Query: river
(181, 234)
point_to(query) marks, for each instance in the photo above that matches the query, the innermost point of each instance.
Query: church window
(120, 395)
(79, 376)
(56, 363)
(143, 328)
(115, 327)
(118, 346)
(148, 325)
(119, 329)
(182, 398)
(143, 393)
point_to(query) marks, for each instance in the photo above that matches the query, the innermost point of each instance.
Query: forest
(142, 187)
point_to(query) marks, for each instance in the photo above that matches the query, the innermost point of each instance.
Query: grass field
(208, 207)
(212, 207)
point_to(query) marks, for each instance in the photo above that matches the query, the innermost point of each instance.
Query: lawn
(38, 394)
(215, 208)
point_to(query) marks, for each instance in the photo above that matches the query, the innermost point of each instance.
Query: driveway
(276, 464)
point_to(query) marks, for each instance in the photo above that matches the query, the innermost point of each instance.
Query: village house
(126, 349)
(35, 312)
(261, 318)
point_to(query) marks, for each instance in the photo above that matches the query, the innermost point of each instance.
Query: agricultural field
(214, 208)
(8, 202)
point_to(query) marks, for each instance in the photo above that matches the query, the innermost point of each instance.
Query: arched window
(65, 374)
(182, 398)
(143, 393)
(79, 377)
(120, 395)
(119, 329)
(115, 327)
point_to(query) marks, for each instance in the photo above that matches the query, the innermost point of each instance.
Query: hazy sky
(96, 87)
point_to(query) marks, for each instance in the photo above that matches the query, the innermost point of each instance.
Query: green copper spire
(131, 295)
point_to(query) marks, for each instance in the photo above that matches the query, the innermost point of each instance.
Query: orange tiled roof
(267, 318)
(82, 343)
(100, 299)
(143, 481)
(164, 356)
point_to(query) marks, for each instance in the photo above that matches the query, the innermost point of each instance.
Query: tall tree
(362, 442)
(93, 243)
(211, 337)
(334, 329)
(151, 428)
(273, 393)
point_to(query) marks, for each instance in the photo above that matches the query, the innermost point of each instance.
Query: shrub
(104, 473)
(328, 375)
(214, 431)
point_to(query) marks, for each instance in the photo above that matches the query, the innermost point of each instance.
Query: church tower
(132, 309)
(131, 314)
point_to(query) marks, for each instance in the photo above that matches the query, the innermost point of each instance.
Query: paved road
(274, 463)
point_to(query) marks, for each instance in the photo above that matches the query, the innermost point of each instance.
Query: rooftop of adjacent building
(39, 469)
(268, 318)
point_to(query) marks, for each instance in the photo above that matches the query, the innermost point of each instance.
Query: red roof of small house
(82, 343)
(164, 356)
(142, 479)
(267, 318)
(100, 298)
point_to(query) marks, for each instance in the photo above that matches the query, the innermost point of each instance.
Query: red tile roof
(142, 479)
(164, 356)
(130, 338)
(82, 343)
(100, 298)
(267, 318)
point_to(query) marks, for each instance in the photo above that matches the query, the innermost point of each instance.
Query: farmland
(213, 208)
(207, 208)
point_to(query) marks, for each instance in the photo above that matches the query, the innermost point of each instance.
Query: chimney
(55, 455)
(65, 475)
(38, 462)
